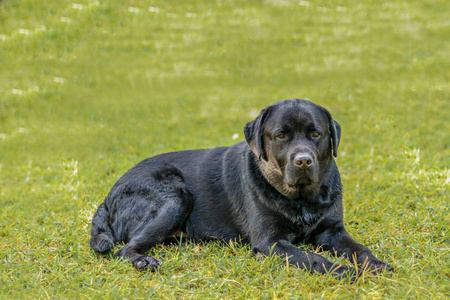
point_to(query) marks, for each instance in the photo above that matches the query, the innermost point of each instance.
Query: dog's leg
(303, 259)
(171, 206)
(151, 231)
(337, 240)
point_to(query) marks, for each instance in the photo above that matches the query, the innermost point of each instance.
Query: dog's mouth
(298, 179)
(295, 183)
(289, 181)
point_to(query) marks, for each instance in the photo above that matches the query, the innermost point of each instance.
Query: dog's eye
(281, 136)
(316, 135)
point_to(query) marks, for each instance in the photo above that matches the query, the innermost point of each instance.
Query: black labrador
(279, 188)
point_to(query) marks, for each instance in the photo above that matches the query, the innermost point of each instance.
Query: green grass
(90, 88)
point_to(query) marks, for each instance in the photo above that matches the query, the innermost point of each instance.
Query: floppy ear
(254, 134)
(335, 130)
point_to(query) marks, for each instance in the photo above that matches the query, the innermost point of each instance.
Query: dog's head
(294, 140)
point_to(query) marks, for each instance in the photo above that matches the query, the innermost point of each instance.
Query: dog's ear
(254, 134)
(335, 130)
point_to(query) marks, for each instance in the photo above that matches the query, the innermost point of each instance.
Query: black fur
(279, 188)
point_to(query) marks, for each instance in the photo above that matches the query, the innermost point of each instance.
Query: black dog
(279, 188)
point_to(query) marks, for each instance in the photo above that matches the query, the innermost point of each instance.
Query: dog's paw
(376, 267)
(344, 272)
(143, 263)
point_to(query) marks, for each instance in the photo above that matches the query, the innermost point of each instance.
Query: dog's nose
(303, 161)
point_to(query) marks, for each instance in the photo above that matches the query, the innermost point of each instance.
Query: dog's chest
(307, 212)
(307, 216)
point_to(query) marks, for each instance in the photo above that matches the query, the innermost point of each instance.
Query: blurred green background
(90, 88)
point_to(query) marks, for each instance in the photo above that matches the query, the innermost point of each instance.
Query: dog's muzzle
(301, 169)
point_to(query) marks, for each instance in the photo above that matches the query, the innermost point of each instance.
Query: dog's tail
(102, 238)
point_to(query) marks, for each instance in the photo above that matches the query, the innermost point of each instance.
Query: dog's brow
(305, 123)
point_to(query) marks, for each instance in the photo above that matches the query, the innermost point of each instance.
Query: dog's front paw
(376, 267)
(344, 272)
(143, 263)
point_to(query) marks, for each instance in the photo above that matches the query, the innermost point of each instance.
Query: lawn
(90, 88)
